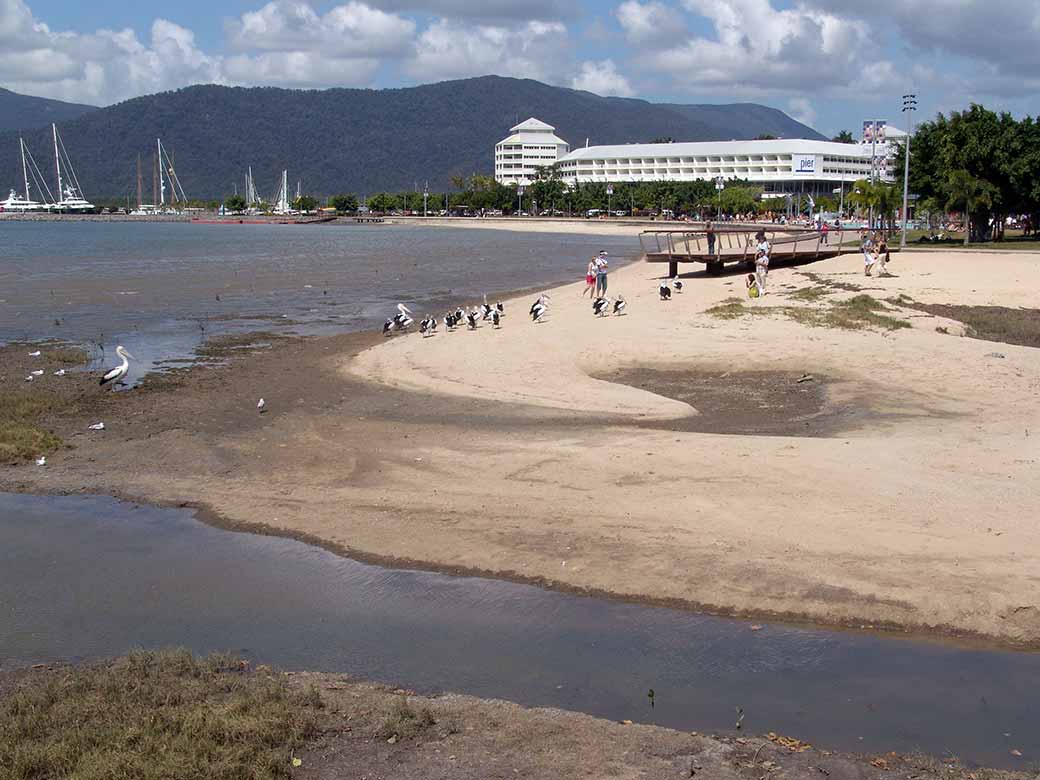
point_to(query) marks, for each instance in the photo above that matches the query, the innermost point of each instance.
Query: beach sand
(897, 487)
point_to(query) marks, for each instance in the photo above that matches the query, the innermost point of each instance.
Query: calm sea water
(154, 287)
(88, 577)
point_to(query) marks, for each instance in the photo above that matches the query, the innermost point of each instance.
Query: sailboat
(281, 204)
(69, 191)
(15, 203)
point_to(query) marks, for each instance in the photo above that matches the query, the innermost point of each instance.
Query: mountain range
(353, 140)
(23, 112)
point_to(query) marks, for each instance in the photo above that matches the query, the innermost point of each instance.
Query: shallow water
(88, 577)
(153, 287)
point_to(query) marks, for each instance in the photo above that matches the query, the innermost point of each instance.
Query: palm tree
(458, 182)
(844, 137)
(968, 194)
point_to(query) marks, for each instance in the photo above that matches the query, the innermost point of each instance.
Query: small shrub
(404, 722)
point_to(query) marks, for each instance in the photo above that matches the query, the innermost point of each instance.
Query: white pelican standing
(261, 405)
(116, 374)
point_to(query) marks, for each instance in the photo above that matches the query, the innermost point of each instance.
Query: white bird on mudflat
(261, 406)
(37, 372)
(60, 372)
(98, 426)
(37, 353)
(116, 374)
(41, 461)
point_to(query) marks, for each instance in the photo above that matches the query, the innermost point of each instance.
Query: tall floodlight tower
(909, 107)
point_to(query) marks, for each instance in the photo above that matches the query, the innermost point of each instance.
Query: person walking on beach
(866, 246)
(762, 263)
(601, 275)
(824, 230)
(709, 231)
(881, 257)
(590, 278)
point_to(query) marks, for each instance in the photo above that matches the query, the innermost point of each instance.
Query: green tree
(844, 137)
(970, 195)
(345, 203)
(305, 203)
(383, 202)
(459, 182)
(235, 203)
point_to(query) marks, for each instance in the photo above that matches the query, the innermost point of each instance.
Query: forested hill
(23, 112)
(362, 141)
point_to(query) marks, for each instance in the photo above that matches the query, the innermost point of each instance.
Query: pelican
(449, 321)
(261, 406)
(485, 311)
(403, 310)
(501, 308)
(427, 326)
(388, 327)
(116, 374)
(600, 306)
(665, 291)
(538, 311)
(677, 284)
(619, 305)
(496, 318)
(471, 319)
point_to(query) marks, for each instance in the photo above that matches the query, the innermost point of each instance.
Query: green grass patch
(69, 356)
(21, 436)
(404, 721)
(811, 294)
(862, 311)
(731, 309)
(989, 323)
(154, 716)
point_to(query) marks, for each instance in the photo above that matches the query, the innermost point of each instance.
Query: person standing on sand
(590, 278)
(709, 231)
(866, 246)
(601, 274)
(824, 230)
(762, 264)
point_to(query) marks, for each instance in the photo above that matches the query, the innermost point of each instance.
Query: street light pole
(426, 200)
(909, 106)
(720, 185)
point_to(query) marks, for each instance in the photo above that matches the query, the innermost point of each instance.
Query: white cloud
(448, 49)
(602, 78)
(759, 50)
(801, 109)
(350, 30)
(486, 10)
(653, 22)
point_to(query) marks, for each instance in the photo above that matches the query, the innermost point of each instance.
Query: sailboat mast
(57, 162)
(162, 184)
(25, 171)
(140, 184)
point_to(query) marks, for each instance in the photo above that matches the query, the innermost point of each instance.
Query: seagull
(99, 426)
(37, 372)
(619, 305)
(60, 372)
(37, 353)
(116, 374)
(261, 406)
(665, 291)
(600, 306)
(41, 461)
(677, 284)
(496, 318)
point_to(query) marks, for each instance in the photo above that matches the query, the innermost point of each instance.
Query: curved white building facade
(532, 144)
(778, 166)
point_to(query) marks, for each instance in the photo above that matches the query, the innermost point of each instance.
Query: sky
(828, 63)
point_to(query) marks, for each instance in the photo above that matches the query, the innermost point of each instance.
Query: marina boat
(15, 203)
(72, 200)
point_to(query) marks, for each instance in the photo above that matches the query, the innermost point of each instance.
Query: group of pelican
(666, 286)
(602, 306)
(471, 318)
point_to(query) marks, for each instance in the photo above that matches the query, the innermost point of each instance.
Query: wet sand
(667, 455)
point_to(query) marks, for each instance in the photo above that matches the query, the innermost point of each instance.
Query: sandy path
(497, 451)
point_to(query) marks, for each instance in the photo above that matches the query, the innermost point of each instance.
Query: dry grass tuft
(154, 716)
(404, 721)
(856, 313)
(21, 437)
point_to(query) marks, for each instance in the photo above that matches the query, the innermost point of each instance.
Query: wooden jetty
(737, 244)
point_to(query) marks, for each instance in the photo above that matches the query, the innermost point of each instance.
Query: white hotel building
(530, 145)
(778, 166)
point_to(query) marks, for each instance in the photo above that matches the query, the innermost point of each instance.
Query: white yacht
(69, 190)
(15, 203)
